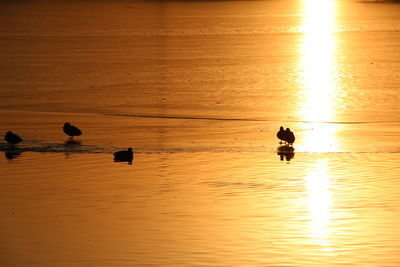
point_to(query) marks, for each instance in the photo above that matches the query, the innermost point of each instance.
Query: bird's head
(67, 124)
(130, 150)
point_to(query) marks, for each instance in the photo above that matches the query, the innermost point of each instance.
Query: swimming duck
(124, 155)
(12, 138)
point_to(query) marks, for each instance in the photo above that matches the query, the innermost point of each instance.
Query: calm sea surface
(199, 89)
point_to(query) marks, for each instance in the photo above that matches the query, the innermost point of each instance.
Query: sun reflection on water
(318, 83)
(319, 201)
(317, 76)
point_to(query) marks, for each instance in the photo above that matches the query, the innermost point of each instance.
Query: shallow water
(199, 90)
(200, 209)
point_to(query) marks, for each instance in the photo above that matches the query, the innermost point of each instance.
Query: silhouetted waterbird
(71, 130)
(12, 138)
(289, 136)
(124, 155)
(281, 135)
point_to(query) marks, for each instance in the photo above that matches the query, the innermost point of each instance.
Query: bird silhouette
(281, 135)
(12, 138)
(71, 130)
(124, 156)
(289, 135)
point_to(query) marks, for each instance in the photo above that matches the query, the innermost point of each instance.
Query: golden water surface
(199, 90)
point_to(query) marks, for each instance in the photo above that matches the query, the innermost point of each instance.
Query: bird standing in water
(281, 135)
(289, 135)
(124, 155)
(12, 138)
(71, 130)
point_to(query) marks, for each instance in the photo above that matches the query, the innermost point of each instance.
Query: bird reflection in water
(71, 146)
(71, 143)
(11, 154)
(286, 152)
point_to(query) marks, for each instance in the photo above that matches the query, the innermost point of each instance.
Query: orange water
(240, 209)
(199, 90)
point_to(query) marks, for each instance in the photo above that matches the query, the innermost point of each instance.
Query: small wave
(244, 119)
(347, 122)
(73, 148)
(94, 149)
(288, 29)
(184, 117)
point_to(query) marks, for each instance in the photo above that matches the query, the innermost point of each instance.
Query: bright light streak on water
(317, 76)
(319, 201)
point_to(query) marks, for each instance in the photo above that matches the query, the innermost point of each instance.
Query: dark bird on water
(289, 136)
(12, 138)
(71, 130)
(124, 155)
(281, 134)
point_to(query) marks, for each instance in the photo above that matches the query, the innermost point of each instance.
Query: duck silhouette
(124, 156)
(281, 135)
(71, 130)
(12, 138)
(289, 136)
